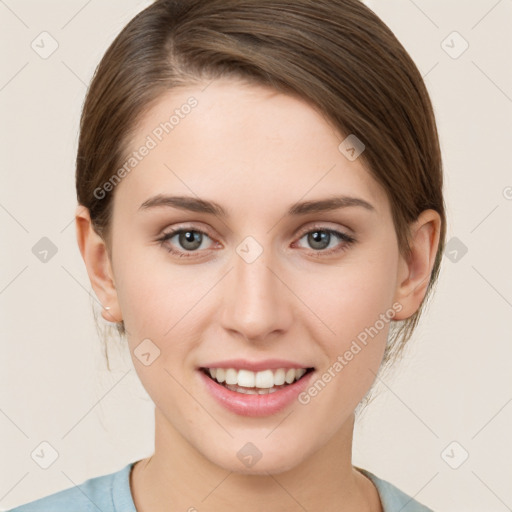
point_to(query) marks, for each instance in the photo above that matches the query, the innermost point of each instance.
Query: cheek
(355, 301)
(356, 305)
(156, 300)
(150, 291)
(352, 296)
(162, 302)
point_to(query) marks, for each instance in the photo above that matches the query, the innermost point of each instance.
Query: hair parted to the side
(336, 54)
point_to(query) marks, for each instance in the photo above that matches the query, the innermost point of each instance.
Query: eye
(191, 240)
(188, 238)
(320, 239)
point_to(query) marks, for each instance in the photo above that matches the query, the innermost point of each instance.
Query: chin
(273, 464)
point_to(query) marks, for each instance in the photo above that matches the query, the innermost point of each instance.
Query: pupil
(190, 237)
(317, 239)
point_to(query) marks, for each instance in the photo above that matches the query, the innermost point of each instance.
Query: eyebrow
(211, 207)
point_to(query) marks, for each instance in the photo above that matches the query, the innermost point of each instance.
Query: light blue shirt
(111, 493)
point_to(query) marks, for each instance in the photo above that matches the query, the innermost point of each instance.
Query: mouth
(256, 383)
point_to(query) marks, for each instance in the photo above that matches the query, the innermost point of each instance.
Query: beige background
(455, 383)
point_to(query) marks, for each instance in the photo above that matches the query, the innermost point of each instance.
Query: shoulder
(108, 493)
(392, 498)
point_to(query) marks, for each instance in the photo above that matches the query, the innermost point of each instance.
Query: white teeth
(264, 380)
(231, 376)
(300, 372)
(290, 376)
(246, 379)
(279, 377)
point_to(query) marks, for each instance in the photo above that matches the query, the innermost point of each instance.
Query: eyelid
(185, 227)
(323, 226)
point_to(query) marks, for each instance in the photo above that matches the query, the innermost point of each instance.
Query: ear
(414, 272)
(97, 261)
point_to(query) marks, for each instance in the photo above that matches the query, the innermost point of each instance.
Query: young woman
(261, 214)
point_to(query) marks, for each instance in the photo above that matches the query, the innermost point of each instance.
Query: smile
(254, 383)
(255, 393)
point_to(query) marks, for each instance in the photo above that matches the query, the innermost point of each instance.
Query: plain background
(454, 384)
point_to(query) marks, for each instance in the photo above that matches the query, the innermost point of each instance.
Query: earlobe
(414, 272)
(95, 255)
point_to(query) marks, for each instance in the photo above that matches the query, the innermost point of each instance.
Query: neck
(177, 476)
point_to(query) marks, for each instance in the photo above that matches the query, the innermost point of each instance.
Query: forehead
(246, 146)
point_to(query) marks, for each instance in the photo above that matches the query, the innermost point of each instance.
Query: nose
(257, 302)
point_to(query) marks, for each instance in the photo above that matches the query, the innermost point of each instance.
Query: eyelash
(347, 239)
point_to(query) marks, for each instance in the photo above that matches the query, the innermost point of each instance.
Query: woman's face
(256, 283)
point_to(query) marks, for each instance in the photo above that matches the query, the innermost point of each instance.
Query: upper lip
(255, 366)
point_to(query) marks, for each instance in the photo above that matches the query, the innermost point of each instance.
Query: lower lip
(255, 405)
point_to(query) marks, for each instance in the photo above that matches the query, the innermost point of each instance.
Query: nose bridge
(255, 301)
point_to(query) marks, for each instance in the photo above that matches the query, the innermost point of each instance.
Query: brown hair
(337, 54)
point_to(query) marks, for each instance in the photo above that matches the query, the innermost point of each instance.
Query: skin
(255, 152)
